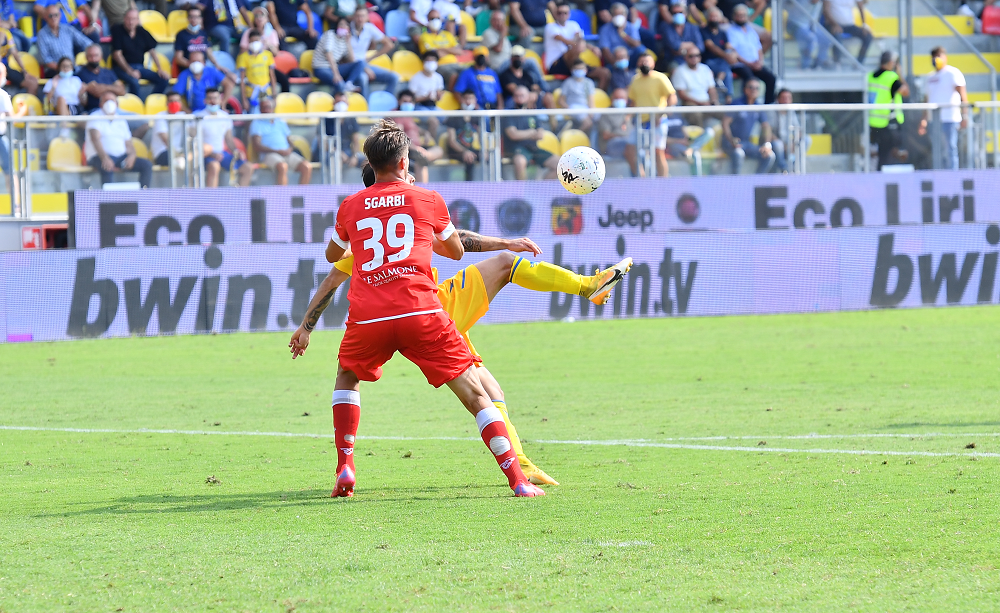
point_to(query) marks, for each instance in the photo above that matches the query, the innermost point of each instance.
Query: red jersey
(390, 228)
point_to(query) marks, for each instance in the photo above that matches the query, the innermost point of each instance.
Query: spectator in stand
(337, 9)
(563, 45)
(946, 86)
(423, 148)
(350, 149)
(621, 74)
(109, 147)
(427, 85)
(719, 54)
(130, 42)
(69, 14)
(364, 37)
(612, 130)
(269, 37)
(257, 77)
(114, 10)
(419, 17)
(786, 132)
(737, 127)
(578, 93)
(58, 40)
(518, 74)
(62, 92)
(195, 82)
(97, 80)
(749, 53)
(679, 37)
(495, 39)
(463, 135)
(521, 135)
(838, 18)
(604, 9)
(166, 131)
(528, 17)
(620, 32)
(442, 41)
(695, 85)
(334, 50)
(8, 21)
(681, 146)
(7, 110)
(808, 35)
(17, 78)
(192, 39)
(451, 13)
(218, 20)
(217, 137)
(284, 16)
(483, 80)
(274, 150)
(650, 88)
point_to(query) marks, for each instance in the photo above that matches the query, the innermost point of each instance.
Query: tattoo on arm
(472, 242)
(312, 317)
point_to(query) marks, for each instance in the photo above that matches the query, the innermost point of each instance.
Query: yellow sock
(545, 277)
(515, 442)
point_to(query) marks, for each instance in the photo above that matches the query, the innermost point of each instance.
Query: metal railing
(493, 160)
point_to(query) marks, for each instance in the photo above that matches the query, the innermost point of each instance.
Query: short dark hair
(193, 8)
(367, 175)
(213, 90)
(579, 62)
(429, 53)
(253, 33)
(939, 50)
(783, 90)
(387, 144)
(468, 92)
(406, 92)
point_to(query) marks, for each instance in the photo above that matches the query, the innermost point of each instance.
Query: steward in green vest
(886, 87)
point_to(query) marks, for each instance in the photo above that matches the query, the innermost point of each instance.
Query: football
(581, 170)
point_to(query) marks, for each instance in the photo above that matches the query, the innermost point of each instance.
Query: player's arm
(476, 243)
(335, 251)
(321, 300)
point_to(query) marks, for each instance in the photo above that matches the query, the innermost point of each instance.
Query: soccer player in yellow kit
(466, 298)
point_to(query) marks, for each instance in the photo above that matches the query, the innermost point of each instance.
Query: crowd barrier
(190, 289)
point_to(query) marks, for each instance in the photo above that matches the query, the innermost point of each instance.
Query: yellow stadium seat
(548, 17)
(27, 25)
(590, 59)
(446, 59)
(176, 21)
(156, 24)
(306, 61)
(132, 104)
(301, 145)
(556, 94)
(448, 102)
(601, 99)
(572, 138)
(287, 102)
(319, 102)
(406, 64)
(382, 62)
(550, 142)
(356, 103)
(149, 64)
(65, 156)
(470, 27)
(141, 150)
(33, 103)
(822, 144)
(156, 103)
(30, 65)
(81, 58)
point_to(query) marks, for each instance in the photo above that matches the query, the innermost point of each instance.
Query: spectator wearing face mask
(62, 92)
(679, 37)
(578, 93)
(719, 55)
(749, 53)
(521, 135)
(612, 130)
(463, 135)
(518, 74)
(424, 150)
(109, 147)
(334, 62)
(220, 146)
(191, 39)
(564, 43)
(350, 139)
(483, 80)
(605, 11)
(442, 41)
(650, 88)
(165, 132)
(97, 80)
(620, 32)
(621, 74)
(427, 85)
(198, 79)
(257, 75)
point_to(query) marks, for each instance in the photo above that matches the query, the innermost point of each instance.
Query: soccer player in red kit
(390, 228)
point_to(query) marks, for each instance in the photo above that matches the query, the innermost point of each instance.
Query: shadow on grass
(217, 500)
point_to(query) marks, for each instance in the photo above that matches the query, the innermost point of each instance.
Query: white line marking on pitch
(609, 443)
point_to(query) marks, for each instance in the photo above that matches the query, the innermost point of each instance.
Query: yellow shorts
(465, 300)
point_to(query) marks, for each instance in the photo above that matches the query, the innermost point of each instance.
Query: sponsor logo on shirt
(389, 275)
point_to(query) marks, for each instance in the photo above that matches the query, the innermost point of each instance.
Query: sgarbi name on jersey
(383, 201)
(390, 274)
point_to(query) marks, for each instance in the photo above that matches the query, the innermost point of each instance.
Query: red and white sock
(346, 415)
(494, 433)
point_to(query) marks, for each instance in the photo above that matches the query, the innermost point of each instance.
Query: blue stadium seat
(381, 101)
(395, 26)
(317, 21)
(584, 20)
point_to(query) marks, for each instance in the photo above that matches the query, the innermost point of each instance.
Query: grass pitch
(123, 520)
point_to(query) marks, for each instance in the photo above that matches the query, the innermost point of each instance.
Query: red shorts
(430, 341)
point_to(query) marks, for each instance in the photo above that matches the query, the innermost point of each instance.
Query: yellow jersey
(257, 67)
(442, 40)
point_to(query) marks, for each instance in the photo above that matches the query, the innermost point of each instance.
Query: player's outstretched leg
(492, 428)
(545, 277)
(346, 416)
